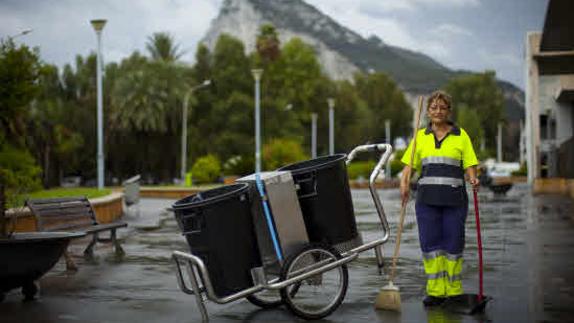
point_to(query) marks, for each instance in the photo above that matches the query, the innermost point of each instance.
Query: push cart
(288, 243)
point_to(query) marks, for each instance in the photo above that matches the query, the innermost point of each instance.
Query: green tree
(162, 47)
(52, 136)
(467, 119)
(352, 118)
(19, 71)
(268, 44)
(386, 101)
(280, 152)
(479, 93)
(146, 105)
(302, 75)
(203, 63)
(231, 67)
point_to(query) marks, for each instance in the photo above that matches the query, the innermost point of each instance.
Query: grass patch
(61, 192)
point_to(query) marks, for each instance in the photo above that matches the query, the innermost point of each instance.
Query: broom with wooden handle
(389, 297)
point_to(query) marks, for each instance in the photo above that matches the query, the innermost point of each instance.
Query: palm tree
(162, 47)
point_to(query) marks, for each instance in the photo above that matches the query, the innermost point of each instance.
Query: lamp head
(257, 72)
(98, 24)
(331, 102)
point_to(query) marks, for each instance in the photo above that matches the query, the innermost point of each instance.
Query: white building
(550, 95)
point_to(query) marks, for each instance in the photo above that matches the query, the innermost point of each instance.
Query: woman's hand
(472, 179)
(405, 184)
(475, 182)
(405, 192)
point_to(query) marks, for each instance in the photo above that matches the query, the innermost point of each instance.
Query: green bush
(207, 169)
(281, 152)
(362, 169)
(239, 165)
(523, 171)
(18, 172)
(396, 164)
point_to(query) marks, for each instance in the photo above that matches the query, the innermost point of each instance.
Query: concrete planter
(551, 186)
(168, 192)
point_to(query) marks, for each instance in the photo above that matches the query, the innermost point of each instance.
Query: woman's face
(438, 111)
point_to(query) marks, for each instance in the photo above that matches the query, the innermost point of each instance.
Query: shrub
(239, 165)
(362, 169)
(523, 171)
(18, 172)
(396, 164)
(281, 152)
(207, 169)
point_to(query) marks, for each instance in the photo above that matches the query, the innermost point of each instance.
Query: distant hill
(341, 51)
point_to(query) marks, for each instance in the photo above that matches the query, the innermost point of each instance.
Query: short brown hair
(439, 95)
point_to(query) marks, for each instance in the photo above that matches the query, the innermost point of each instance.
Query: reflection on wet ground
(529, 270)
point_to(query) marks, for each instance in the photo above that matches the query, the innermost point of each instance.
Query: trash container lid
(314, 164)
(210, 196)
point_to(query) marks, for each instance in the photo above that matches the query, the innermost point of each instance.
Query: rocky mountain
(341, 51)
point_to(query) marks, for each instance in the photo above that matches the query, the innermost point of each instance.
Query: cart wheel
(317, 296)
(266, 299)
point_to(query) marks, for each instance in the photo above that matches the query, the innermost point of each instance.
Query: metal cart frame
(199, 278)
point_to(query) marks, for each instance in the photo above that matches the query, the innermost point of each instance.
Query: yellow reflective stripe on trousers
(443, 273)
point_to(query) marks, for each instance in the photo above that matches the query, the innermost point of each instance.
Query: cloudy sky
(461, 34)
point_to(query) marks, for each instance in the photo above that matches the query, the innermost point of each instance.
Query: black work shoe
(457, 299)
(433, 301)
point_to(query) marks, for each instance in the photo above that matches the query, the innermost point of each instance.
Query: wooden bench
(73, 214)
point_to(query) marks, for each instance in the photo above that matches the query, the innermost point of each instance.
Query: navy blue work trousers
(441, 227)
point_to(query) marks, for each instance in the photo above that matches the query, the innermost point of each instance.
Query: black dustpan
(466, 304)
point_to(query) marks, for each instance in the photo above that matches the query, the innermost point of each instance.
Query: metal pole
(499, 144)
(313, 135)
(521, 144)
(98, 26)
(331, 103)
(388, 141)
(257, 75)
(184, 128)
(184, 138)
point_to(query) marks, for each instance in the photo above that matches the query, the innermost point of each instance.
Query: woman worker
(443, 155)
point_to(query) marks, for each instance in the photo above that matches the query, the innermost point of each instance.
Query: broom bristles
(389, 298)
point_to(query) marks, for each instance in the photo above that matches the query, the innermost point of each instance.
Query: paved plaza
(529, 270)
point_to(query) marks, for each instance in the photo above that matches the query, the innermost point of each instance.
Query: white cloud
(63, 31)
(378, 8)
(448, 3)
(450, 30)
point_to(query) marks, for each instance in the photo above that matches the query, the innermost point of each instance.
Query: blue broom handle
(259, 185)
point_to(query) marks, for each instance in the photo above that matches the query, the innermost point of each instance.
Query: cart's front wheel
(317, 296)
(266, 299)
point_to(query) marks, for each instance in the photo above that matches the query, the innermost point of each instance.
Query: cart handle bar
(388, 149)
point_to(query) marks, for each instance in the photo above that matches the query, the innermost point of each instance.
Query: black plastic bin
(325, 199)
(219, 229)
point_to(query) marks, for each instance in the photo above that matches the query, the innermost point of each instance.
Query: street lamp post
(257, 75)
(388, 141)
(313, 135)
(331, 103)
(288, 107)
(184, 127)
(98, 25)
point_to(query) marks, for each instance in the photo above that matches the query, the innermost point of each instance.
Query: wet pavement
(529, 270)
